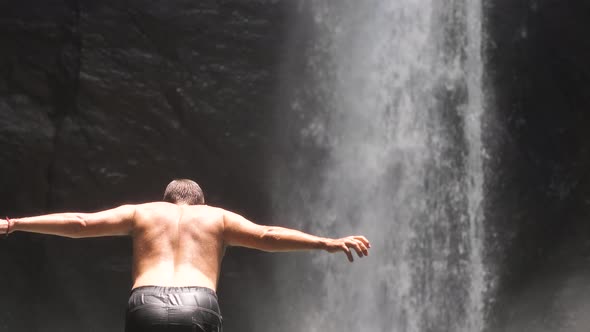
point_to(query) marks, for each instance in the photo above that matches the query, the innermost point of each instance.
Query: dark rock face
(538, 184)
(120, 91)
(102, 103)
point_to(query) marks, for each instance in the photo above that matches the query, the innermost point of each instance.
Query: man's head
(184, 191)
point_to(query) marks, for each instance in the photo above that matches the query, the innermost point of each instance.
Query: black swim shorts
(179, 309)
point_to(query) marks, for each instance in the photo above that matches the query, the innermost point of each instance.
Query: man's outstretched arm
(117, 221)
(238, 231)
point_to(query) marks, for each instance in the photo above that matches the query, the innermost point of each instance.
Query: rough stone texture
(538, 185)
(102, 103)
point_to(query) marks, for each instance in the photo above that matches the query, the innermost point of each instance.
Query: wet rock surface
(102, 103)
(538, 185)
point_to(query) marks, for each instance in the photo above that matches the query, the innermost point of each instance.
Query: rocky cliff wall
(102, 103)
(538, 185)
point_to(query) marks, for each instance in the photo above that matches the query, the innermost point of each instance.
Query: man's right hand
(359, 243)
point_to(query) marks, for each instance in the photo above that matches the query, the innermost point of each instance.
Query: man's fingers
(363, 248)
(363, 240)
(347, 251)
(357, 246)
(358, 243)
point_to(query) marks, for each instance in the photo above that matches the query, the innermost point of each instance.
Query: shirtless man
(178, 245)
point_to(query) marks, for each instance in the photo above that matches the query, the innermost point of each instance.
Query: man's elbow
(270, 236)
(78, 226)
(271, 233)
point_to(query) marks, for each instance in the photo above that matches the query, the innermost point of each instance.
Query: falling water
(385, 120)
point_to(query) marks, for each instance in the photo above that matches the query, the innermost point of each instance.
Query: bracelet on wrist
(8, 226)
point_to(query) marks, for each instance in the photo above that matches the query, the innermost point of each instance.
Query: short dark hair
(184, 191)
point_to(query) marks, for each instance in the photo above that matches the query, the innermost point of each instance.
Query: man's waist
(155, 289)
(177, 299)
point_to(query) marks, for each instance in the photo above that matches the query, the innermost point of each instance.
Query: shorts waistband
(172, 289)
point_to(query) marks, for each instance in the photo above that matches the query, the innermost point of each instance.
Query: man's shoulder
(207, 209)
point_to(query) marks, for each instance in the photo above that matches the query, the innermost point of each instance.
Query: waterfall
(384, 126)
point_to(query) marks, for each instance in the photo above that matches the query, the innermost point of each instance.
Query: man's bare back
(182, 245)
(179, 243)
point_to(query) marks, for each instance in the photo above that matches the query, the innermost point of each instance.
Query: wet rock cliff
(538, 187)
(102, 103)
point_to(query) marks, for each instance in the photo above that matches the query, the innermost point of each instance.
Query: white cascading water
(391, 102)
